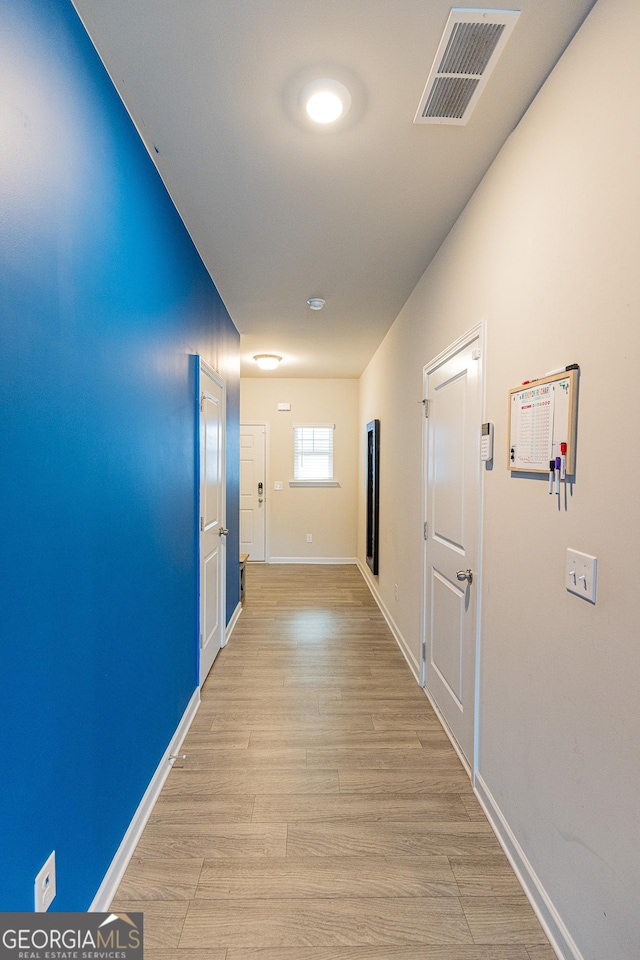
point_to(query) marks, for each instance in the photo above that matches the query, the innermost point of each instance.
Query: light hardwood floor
(321, 813)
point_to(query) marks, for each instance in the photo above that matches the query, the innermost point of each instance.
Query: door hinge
(201, 640)
(426, 530)
(476, 353)
(201, 524)
(425, 404)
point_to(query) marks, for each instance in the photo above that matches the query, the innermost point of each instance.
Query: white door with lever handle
(253, 527)
(213, 533)
(452, 469)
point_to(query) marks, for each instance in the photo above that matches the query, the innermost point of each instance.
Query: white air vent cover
(469, 50)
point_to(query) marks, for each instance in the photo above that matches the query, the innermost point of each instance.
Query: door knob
(465, 575)
(223, 532)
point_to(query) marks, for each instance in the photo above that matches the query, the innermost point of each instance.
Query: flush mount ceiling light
(316, 303)
(347, 97)
(267, 361)
(325, 101)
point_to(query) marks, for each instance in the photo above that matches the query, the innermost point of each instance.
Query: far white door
(453, 387)
(213, 532)
(253, 490)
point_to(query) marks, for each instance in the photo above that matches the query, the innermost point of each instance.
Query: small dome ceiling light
(267, 361)
(316, 303)
(325, 101)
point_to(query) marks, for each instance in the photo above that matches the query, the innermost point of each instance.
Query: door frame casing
(478, 332)
(203, 367)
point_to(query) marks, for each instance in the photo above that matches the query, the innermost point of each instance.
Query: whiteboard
(542, 415)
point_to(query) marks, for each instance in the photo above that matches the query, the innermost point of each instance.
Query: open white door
(453, 387)
(212, 516)
(253, 490)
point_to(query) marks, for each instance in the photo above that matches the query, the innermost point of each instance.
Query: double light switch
(580, 577)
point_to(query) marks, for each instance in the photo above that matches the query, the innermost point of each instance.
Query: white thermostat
(486, 442)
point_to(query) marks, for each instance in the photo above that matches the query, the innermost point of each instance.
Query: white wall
(328, 513)
(548, 251)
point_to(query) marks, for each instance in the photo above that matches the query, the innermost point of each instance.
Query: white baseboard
(120, 862)
(232, 623)
(559, 937)
(445, 726)
(341, 560)
(414, 666)
(551, 921)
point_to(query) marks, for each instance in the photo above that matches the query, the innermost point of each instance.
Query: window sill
(313, 483)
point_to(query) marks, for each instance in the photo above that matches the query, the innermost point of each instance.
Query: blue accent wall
(104, 302)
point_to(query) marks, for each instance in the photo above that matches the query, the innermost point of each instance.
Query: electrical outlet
(309, 538)
(45, 885)
(277, 485)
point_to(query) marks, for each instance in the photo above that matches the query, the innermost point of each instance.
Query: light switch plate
(581, 574)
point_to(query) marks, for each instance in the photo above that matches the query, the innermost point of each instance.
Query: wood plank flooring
(321, 812)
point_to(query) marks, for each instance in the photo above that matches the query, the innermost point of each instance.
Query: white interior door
(452, 472)
(253, 490)
(212, 517)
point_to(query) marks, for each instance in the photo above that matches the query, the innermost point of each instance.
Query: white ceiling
(280, 212)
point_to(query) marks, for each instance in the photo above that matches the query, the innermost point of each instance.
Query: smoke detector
(471, 45)
(316, 303)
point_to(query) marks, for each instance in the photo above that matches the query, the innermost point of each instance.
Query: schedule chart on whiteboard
(534, 436)
(542, 418)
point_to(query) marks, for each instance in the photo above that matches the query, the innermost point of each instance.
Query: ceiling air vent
(469, 50)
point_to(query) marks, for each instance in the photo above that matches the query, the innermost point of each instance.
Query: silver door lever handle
(223, 532)
(465, 575)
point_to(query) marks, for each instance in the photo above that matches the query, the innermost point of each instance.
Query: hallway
(321, 812)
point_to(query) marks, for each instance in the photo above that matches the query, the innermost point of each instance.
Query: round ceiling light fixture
(316, 303)
(325, 101)
(267, 361)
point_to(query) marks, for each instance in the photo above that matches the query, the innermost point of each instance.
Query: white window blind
(313, 452)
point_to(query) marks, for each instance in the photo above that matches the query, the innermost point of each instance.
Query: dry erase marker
(563, 461)
(552, 465)
(557, 471)
(570, 366)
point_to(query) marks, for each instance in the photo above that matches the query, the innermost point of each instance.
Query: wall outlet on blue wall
(45, 885)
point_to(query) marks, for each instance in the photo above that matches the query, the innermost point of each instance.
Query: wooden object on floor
(243, 572)
(321, 812)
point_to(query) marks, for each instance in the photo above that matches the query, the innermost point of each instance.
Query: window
(313, 452)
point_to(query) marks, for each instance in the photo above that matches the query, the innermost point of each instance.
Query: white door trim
(478, 332)
(267, 479)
